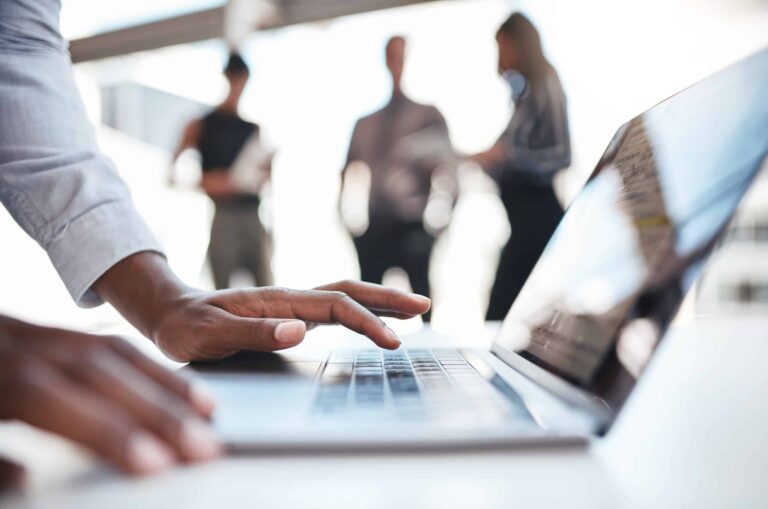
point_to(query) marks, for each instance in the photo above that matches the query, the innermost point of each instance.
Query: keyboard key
(416, 383)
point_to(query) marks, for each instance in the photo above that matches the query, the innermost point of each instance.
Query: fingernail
(290, 332)
(197, 441)
(393, 337)
(201, 398)
(421, 298)
(147, 455)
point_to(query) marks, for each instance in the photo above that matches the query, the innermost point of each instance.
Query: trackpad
(259, 393)
(261, 363)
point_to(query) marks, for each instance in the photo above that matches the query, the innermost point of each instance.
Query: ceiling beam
(217, 23)
(293, 12)
(197, 26)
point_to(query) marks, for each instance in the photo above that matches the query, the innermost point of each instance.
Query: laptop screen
(634, 239)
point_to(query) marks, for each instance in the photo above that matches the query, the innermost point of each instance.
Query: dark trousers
(534, 213)
(239, 241)
(396, 244)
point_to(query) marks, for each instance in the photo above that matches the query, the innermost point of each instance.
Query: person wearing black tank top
(238, 238)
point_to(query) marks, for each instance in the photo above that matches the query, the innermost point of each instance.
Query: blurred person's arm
(249, 173)
(491, 158)
(446, 163)
(189, 139)
(444, 189)
(267, 168)
(104, 394)
(218, 184)
(428, 148)
(538, 152)
(540, 158)
(352, 156)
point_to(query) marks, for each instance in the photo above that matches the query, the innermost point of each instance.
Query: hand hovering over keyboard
(104, 394)
(188, 324)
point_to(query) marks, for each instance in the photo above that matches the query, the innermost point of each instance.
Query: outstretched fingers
(268, 319)
(337, 307)
(382, 300)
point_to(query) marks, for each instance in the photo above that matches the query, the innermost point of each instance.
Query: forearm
(53, 180)
(218, 184)
(142, 287)
(491, 158)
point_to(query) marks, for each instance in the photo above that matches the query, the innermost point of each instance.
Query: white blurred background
(311, 82)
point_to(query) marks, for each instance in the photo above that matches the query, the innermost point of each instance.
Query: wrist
(144, 290)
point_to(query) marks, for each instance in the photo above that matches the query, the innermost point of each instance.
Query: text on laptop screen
(634, 239)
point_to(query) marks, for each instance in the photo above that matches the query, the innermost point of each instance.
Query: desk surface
(692, 435)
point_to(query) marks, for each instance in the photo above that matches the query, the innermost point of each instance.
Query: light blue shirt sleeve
(54, 181)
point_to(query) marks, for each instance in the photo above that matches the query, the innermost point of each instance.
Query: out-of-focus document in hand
(250, 171)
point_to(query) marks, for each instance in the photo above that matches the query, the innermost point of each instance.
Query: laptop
(581, 333)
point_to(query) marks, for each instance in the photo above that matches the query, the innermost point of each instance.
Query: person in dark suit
(403, 145)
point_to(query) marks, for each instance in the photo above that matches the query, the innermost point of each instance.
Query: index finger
(331, 307)
(381, 299)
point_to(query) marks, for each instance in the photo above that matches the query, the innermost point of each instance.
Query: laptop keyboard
(414, 382)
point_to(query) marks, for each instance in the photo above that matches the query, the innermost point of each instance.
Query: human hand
(104, 394)
(268, 165)
(214, 325)
(218, 184)
(189, 324)
(490, 158)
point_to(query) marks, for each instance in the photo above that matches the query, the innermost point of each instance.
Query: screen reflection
(635, 238)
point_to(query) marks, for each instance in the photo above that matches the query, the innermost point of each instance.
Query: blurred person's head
(237, 73)
(520, 48)
(395, 56)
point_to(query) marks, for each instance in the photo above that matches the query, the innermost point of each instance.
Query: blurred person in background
(523, 162)
(405, 146)
(238, 237)
(66, 194)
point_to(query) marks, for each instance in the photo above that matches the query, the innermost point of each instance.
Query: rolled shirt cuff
(94, 242)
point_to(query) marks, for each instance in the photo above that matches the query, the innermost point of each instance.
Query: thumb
(290, 332)
(262, 334)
